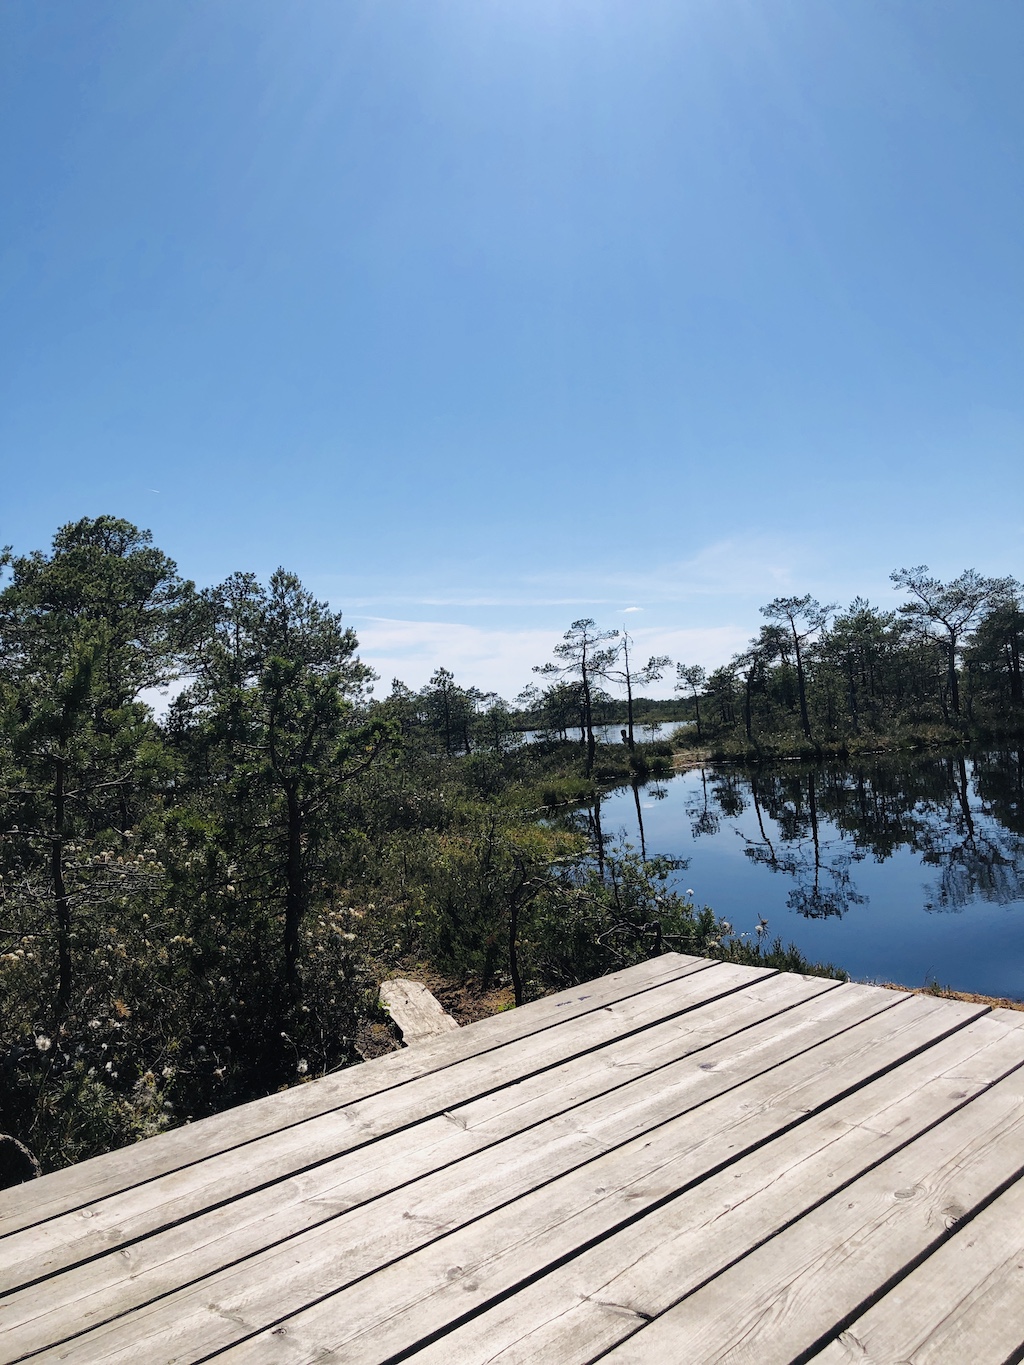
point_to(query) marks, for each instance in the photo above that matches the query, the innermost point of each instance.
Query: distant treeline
(609, 710)
(944, 665)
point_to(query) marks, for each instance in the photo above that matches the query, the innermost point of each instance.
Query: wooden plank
(965, 1302)
(777, 1302)
(403, 1304)
(220, 1309)
(598, 1298)
(416, 1013)
(309, 1268)
(110, 1284)
(90, 1180)
(58, 1243)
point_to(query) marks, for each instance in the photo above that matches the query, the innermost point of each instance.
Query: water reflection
(883, 846)
(646, 732)
(979, 854)
(963, 816)
(703, 812)
(819, 866)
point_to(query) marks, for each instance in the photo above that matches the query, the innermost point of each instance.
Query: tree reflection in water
(978, 848)
(656, 792)
(963, 815)
(703, 813)
(819, 866)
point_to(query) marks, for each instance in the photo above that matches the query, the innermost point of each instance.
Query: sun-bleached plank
(778, 1302)
(417, 1014)
(129, 1277)
(600, 1297)
(88, 1181)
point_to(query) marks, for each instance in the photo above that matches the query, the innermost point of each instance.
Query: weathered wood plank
(403, 1304)
(58, 1243)
(595, 1300)
(220, 1309)
(419, 1293)
(129, 1277)
(90, 1180)
(415, 1012)
(734, 1176)
(778, 1301)
(964, 1303)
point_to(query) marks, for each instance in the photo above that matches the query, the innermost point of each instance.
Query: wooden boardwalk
(688, 1161)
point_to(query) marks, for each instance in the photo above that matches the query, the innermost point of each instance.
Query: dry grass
(685, 759)
(996, 1002)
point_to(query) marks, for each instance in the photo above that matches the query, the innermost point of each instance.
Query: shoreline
(845, 752)
(947, 993)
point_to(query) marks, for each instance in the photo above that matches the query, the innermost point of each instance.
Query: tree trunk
(61, 899)
(962, 785)
(801, 687)
(640, 820)
(812, 807)
(773, 860)
(954, 685)
(598, 835)
(853, 696)
(1016, 691)
(944, 701)
(629, 691)
(588, 717)
(513, 949)
(295, 895)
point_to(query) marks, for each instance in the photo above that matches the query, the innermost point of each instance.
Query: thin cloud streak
(726, 568)
(502, 660)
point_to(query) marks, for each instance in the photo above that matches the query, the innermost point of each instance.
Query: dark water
(906, 868)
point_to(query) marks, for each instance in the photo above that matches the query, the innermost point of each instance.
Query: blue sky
(483, 315)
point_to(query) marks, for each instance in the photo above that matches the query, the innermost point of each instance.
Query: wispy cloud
(502, 660)
(492, 659)
(723, 568)
(727, 568)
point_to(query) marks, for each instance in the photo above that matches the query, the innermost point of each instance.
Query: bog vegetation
(197, 909)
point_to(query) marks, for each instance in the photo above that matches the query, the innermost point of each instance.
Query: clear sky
(484, 315)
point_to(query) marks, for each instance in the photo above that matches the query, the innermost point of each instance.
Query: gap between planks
(223, 1306)
(69, 1189)
(143, 1210)
(780, 994)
